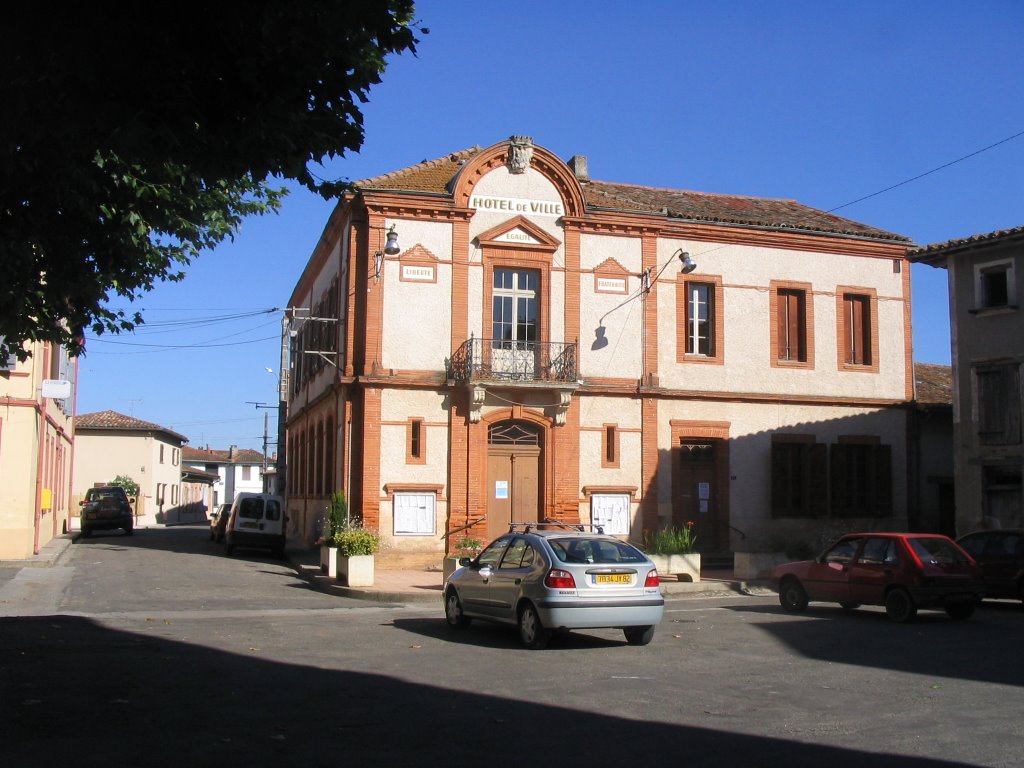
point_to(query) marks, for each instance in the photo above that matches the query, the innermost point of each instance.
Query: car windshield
(938, 551)
(586, 550)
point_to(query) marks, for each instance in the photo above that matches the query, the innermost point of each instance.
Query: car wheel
(453, 611)
(129, 529)
(531, 631)
(960, 611)
(639, 635)
(86, 533)
(792, 596)
(849, 606)
(899, 606)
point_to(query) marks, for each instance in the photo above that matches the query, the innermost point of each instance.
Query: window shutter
(838, 461)
(882, 480)
(818, 506)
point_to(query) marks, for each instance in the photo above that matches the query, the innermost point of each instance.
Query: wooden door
(513, 475)
(694, 492)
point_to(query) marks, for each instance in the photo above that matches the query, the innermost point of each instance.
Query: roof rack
(549, 524)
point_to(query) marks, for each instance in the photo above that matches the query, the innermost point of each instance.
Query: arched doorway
(513, 474)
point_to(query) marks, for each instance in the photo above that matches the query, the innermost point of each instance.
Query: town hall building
(495, 337)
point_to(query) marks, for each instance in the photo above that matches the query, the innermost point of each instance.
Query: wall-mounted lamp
(646, 281)
(390, 249)
(688, 263)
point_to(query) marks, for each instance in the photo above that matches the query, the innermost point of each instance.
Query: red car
(902, 571)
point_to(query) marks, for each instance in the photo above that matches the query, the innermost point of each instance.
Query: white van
(257, 522)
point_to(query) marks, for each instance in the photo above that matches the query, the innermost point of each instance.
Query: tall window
(700, 336)
(791, 322)
(857, 336)
(700, 330)
(514, 308)
(998, 403)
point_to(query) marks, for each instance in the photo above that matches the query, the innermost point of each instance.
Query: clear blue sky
(822, 102)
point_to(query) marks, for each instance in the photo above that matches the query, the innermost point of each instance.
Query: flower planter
(329, 561)
(356, 571)
(682, 567)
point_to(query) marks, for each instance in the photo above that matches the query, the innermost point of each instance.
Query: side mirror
(465, 560)
(81, 503)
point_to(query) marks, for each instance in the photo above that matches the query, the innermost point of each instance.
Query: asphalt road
(157, 650)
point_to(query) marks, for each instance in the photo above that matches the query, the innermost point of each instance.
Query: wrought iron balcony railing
(522, 361)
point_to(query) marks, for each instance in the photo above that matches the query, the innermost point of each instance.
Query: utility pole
(266, 437)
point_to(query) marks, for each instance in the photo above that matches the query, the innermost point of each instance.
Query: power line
(927, 173)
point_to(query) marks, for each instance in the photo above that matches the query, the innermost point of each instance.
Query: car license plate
(612, 578)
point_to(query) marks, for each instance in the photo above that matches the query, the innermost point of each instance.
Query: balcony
(484, 364)
(510, 362)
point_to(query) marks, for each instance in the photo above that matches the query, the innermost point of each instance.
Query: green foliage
(466, 547)
(129, 485)
(337, 516)
(671, 540)
(354, 540)
(135, 141)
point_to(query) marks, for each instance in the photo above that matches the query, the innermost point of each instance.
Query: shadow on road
(985, 648)
(77, 692)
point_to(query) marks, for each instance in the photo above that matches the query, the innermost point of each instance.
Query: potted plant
(671, 550)
(464, 547)
(355, 547)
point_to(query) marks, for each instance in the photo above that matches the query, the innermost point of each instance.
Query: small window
(994, 285)
(610, 446)
(246, 473)
(161, 454)
(415, 447)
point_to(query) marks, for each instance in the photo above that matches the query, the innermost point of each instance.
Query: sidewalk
(418, 586)
(49, 555)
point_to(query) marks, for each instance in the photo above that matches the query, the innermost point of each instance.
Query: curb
(50, 554)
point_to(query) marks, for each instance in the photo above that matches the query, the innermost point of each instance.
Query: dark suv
(106, 507)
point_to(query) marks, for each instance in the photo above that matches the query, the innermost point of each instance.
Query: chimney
(231, 452)
(578, 165)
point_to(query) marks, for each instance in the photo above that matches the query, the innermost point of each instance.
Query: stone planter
(757, 565)
(329, 561)
(356, 571)
(681, 567)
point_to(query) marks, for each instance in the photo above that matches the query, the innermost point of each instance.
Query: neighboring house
(932, 506)
(985, 275)
(36, 450)
(112, 444)
(493, 336)
(237, 470)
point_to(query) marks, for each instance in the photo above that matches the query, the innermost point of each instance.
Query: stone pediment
(518, 232)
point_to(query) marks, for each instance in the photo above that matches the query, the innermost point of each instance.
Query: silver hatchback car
(546, 577)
